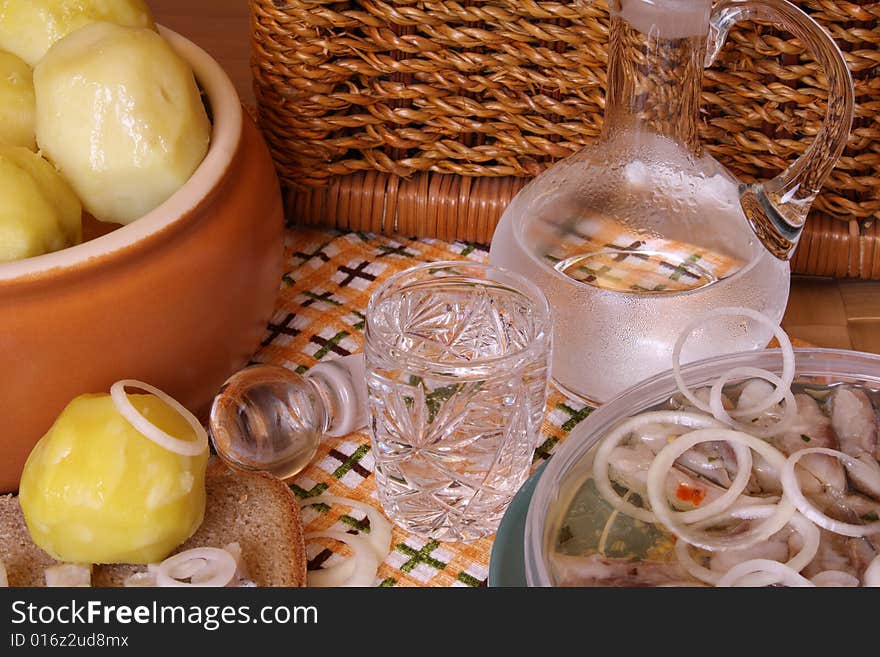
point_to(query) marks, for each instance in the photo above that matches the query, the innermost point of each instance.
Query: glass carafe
(637, 233)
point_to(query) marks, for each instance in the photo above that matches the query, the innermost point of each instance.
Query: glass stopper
(267, 417)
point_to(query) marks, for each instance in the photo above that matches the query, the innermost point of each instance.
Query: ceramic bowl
(178, 298)
(571, 465)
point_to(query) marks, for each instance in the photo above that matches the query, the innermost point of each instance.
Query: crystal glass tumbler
(457, 357)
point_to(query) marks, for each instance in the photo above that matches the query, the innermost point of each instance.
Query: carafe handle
(777, 209)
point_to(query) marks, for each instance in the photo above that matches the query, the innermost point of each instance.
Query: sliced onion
(782, 573)
(336, 575)
(150, 430)
(834, 578)
(619, 433)
(206, 566)
(234, 549)
(792, 490)
(784, 343)
(673, 521)
(190, 568)
(142, 579)
(807, 530)
(722, 415)
(68, 574)
(872, 573)
(366, 563)
(380, 529)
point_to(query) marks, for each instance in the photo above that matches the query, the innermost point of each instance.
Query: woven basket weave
(425, 117)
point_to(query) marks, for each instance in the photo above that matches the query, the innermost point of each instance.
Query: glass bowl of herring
(749, 469)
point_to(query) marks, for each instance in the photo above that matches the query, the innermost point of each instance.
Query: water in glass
(457, 372)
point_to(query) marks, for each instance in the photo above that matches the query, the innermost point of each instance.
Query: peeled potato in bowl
(28, 28)
(16, 101)
(39, 212)
(120, 115)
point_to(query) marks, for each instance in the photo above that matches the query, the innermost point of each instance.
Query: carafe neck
(656, 54)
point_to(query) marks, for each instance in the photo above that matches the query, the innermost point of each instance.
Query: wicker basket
(425, 117)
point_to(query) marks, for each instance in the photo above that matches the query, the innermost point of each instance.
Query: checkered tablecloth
(328, 279)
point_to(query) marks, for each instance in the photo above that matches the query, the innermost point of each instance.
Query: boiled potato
(16, 102)
(95, 490)
(28, 28)
(120, 115)
(39, 212)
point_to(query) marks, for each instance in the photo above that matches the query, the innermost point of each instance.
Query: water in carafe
(636, 234)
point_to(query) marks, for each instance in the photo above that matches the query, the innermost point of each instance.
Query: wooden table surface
(826, 312)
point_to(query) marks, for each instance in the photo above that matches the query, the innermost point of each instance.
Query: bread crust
(256, 509)
(25, 562)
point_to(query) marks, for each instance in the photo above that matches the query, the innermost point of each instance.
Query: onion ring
(721, 414)
(331, 576)
(835, 578)
(205, 566)
(665, 516)
(145, 579)
(783, 573)
(793, 491)
(150, 430)
(784, 343)
(380, 529)
(68, 575)
(808, 531)
(621, 431)
(366, 564)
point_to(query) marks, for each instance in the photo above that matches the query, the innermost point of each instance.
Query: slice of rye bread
(255, 509)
